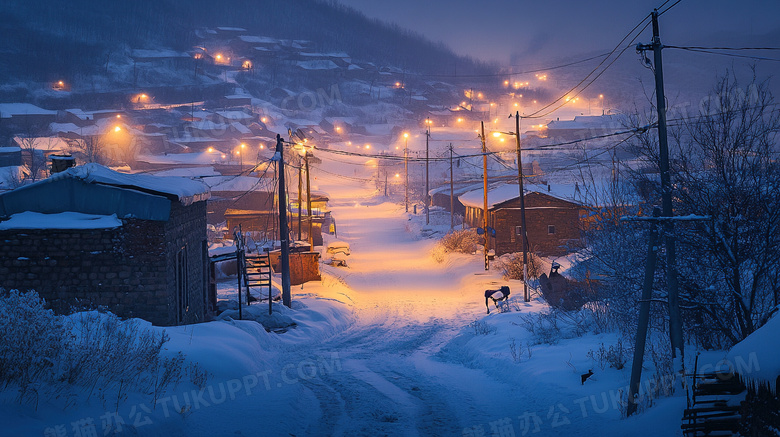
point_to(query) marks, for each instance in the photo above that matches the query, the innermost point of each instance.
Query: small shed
(92, 237)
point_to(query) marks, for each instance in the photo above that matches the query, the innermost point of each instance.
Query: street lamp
(516, 133)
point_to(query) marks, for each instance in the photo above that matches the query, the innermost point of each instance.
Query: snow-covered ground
(393, 344)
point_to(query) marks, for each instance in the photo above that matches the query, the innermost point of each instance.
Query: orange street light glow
(117, 129)
(496, 134)
(210, 149)
(406, 134)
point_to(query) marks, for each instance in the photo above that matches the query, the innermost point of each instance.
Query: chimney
(60, 163)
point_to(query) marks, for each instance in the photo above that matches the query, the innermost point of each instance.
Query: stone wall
(76, 269)
(129, 270)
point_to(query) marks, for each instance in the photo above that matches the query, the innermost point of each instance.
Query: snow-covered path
(403, 370)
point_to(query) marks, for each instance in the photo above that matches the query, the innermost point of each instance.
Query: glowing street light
(117, 129)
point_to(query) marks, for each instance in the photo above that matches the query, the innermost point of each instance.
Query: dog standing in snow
(502, 294)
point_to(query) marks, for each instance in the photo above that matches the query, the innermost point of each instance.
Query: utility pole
(452, 193)
(308, 197)
(675, 318)
(406, 173)
(644, 317)
(526, 296)
(300, 189)
(284, 233)
(427, 195)
(485, 196)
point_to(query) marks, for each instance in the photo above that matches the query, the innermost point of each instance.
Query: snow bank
(756, 363)
(63, 220)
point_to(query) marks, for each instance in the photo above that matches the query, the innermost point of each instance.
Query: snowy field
(394, 344)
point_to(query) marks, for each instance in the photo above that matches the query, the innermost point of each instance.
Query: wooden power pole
(675, 318)
(524, 231)
(308, 198)
(427, 188)
(452, 192)
(485, 196)
(284, 233)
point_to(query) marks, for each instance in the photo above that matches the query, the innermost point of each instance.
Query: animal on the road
(500, 295)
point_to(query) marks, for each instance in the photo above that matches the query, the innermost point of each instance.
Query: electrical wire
(536, 114)
(733, 55)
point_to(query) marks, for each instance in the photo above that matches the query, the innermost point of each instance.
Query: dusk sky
(498, 29)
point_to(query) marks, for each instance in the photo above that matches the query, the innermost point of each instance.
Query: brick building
(553, 222)
(89, 237)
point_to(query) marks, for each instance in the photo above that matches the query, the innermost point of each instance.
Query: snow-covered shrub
(42, 354)
(105, 352)
(549, 327)
(30, 342)
(614, 356)
(482, 328)
(511, 265)
(516, 351)
(463, 241)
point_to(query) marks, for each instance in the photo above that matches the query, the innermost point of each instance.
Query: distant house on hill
(552, 222)
(93, 237)
(25, 116)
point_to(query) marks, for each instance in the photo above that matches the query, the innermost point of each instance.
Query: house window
(182, 288)
(550, 229)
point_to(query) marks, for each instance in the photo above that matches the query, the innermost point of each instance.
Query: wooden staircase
(256, 269)
(714, 404)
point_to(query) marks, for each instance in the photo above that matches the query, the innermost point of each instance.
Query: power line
(721, 48)
(667, 9)
(619, 44)
(514, 73)
(733, 55)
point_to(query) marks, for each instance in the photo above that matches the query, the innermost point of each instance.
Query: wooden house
(553, 223)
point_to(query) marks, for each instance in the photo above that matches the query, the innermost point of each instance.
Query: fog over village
(364, 218)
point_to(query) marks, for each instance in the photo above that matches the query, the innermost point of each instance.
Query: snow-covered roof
(80, 114)
(186, 190)
(258, 39)
(505, 192)
(189, 172)
(231, 29)
(240, 128)
(756, 361)
(10, 149)
(324, 64)
(235, 115)
(496, 195)
(62, 220)
(234, 183)
(8, 110)
(42, 143)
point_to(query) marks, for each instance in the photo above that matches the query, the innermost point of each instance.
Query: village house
(92, 237)
(553, 222)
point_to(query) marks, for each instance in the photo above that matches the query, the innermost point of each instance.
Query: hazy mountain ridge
(51, 40)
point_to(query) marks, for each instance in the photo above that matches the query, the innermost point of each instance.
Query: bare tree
(722, 166)
(91, 149)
